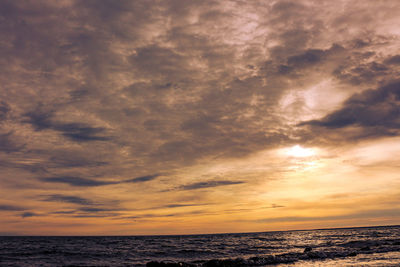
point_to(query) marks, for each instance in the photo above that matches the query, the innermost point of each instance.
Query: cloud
(275, 206)
(96, 215)
(79, 132)
(75, 181)
(362, 73)
(209, 184)
(172, 93)
(170, 206)
(178, 214)
(239, 210)
(64, 212)
(377, 111)
(92, 209)
(378, 213)
(8, 143)
(394, 60)
(87, 208)
(95, 91)
(90, 212)
(10, 208)
(141, 179)
(72, 159)
(311, 57)
(29, 214)
(68, 199)
(4, 110)
(181, 205)
(85, 182)
(160, 63)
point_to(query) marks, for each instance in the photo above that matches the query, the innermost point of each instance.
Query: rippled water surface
(375, 246)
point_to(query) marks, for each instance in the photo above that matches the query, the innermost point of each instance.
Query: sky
(183, 117)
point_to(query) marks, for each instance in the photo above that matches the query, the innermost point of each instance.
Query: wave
(349, 249)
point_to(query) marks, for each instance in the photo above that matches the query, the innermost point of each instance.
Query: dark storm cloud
(209, 184)
(376, 110)
(85, 182)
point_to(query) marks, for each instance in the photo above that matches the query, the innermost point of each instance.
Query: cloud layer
(183, 96)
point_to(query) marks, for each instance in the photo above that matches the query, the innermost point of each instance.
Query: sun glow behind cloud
(299, 151)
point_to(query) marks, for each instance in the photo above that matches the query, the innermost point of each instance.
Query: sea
(367, 246)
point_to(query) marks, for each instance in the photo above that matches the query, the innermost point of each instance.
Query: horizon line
(170, 235)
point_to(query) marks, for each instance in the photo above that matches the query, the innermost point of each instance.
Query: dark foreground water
(374, 246)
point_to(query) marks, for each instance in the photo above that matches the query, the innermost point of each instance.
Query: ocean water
(373, 246)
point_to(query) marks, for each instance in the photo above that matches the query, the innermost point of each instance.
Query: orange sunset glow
(188, 117)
